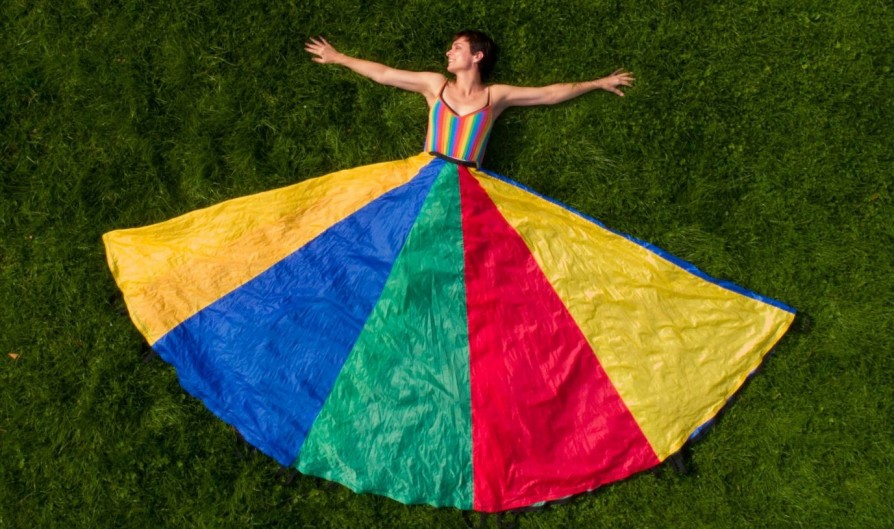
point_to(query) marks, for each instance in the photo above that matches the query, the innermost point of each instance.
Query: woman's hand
(319, 46)
(618, 78)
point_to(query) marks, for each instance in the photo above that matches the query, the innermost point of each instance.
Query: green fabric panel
(398, 420)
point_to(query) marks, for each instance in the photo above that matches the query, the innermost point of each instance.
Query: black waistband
(467, 163)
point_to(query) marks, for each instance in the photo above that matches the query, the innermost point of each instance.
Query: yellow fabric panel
(675, 346)
(171, 270)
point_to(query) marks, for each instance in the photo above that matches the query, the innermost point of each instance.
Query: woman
(470, 58)
(436, 333)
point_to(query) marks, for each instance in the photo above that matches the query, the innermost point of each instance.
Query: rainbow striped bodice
(461, 138)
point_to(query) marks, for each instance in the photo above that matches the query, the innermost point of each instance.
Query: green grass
(757, 144)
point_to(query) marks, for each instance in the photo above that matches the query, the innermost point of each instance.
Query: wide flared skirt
(439, 334)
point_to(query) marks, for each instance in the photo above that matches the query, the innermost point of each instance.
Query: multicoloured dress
(439, 334)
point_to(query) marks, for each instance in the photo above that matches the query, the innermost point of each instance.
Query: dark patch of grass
(756, 144)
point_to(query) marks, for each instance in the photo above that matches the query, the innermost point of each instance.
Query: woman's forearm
(564, 91)
(370, 69)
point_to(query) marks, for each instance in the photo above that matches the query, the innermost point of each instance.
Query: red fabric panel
(546, 420)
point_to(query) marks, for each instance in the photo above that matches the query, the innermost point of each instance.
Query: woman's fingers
(618, 78)
(625, 79)
(622, 77)
(318, 42)
(319, 46)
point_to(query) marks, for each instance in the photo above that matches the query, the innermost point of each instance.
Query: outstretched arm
(426, 83)
(509, 96)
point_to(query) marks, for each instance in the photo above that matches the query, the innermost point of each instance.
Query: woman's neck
(467, 84)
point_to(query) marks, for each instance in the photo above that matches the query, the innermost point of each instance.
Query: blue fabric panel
(265, 356)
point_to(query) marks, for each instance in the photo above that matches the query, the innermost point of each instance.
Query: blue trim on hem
(689, 267)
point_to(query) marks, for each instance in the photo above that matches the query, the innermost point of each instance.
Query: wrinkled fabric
(547, 421)
(265, 355)
(439, 334)
(403, 395)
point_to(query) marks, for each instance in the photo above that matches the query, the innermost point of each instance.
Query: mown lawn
(757, 144)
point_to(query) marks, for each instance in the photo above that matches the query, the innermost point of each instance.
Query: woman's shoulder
(434, 82)
(499, 91)
(499, 95)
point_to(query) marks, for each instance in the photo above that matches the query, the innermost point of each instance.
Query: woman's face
(459, 56)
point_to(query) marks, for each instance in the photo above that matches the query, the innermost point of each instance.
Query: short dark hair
(478, 41)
